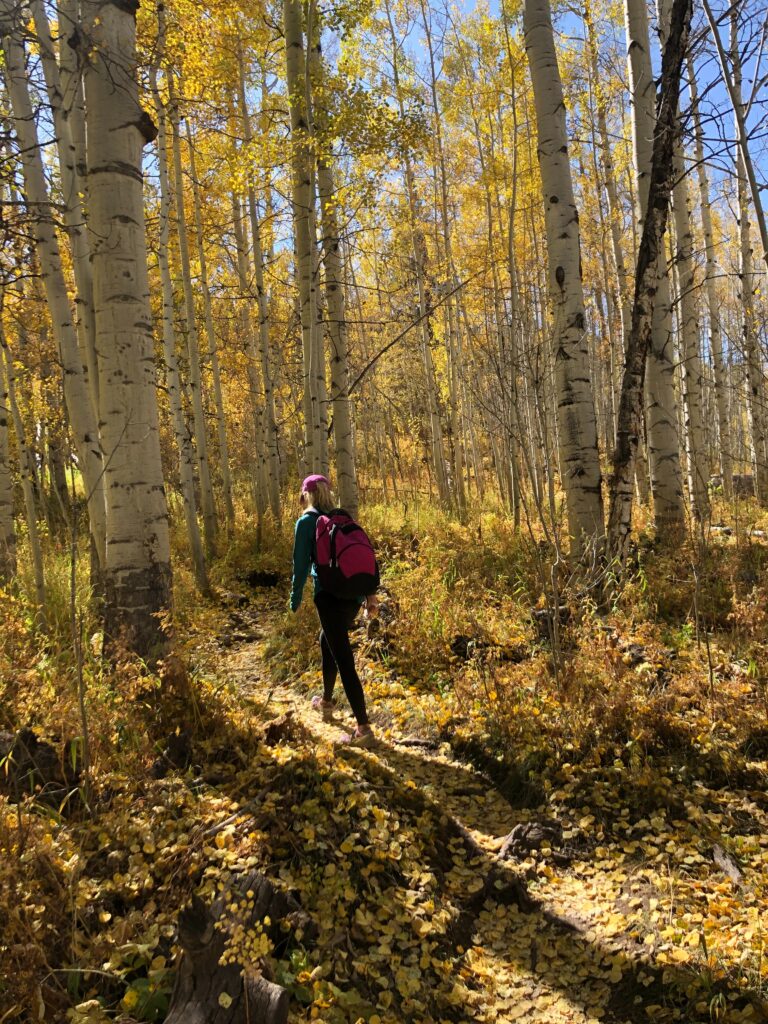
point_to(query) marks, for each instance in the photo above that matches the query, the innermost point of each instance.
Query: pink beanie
(310, 483)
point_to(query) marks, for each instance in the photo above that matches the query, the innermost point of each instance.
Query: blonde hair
(321, 497)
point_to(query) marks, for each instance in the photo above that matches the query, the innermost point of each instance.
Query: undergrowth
(648, 712)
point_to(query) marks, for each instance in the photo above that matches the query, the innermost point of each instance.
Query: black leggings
(336, 618)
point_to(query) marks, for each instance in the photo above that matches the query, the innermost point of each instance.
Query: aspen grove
(392, 241)
(499, 266)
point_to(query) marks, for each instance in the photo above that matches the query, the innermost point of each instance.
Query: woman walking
(337, 615)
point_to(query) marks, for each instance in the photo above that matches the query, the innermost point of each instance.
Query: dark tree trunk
(630, 415)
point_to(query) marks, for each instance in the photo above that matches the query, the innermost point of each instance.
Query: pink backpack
(346, 563)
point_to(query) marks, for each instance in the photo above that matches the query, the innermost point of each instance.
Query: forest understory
(568, 831)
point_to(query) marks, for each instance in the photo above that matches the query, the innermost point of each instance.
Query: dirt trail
(572, 959)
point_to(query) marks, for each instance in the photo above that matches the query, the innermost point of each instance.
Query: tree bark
(269, 423)
(452, 335)
(341, 403)
(249, 339)
(733, 85)
(688, 319)
(580, 463)
(207, 502)
(419, 247)
(73, 99)
(202, 977)
(173, 384)
(661, 423)
(138, 568)
(756, 397)
(650, 253)
(82, 414)
(713, 303)
(71, 173)
(213, 353)
(303, 203)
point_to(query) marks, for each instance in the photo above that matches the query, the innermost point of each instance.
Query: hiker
(337, 614)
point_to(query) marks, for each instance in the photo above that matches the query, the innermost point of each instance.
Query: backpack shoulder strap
(315, 513)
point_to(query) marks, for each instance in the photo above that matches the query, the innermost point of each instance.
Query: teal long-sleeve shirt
(303, 556)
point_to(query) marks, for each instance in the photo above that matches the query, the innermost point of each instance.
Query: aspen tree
(138, 565)
(713, 304)
(207, 502)
(580, 463)
(272, 467)
(71, 174)
(346, 477)
(303, 204)
(620, 298)
(609, 176)
(515, 320)
(181, 434)
(418, 242)
(660, 405)
(71, 81)
(249, 338)
(691, 355)
(7, 524)
(213, 348)
(43, 222)
(688, 319)
(658, 189)
(756, 401)
(732, 82)
(451, 308)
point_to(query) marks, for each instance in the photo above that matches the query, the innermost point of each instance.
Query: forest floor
(621, 905)
(630, 763)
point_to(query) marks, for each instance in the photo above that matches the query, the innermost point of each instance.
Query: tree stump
(207, 992)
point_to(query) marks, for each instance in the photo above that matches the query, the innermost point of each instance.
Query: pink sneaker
(366, 738)
(324, 707)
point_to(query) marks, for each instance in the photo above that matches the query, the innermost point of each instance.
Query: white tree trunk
(303, 203)
(756, 398)
(138, 569)
(271, 454)
(649, 260)
(691, 353)
(73, 100)
(418, 242)
(346, 477)
(660, 405)
(713, 302)
(72, 189)
(579, 458)
(207, 503)
(733, 85)
(173, 384)
(615, 214)
(688, 318)
(452, 336)
(249, 338)
(213, 350)
(82, 414)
